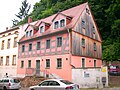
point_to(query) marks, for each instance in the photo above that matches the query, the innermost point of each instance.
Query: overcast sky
(8, 9)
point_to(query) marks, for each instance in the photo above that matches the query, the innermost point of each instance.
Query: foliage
(23, 13)
(106, 13)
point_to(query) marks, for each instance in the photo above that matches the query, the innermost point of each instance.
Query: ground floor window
(94, 63)
(29, 63)
(47, 63)
(59, 63)
(83, 62)
(22, 64)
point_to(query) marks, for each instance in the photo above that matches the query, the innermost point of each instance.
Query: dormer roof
(69, 17)
(33, 26)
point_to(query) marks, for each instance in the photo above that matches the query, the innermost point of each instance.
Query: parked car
(114, 70)
(55, 84)
(8, 83)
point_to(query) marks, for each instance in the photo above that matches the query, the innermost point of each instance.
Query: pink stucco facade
(71, 52)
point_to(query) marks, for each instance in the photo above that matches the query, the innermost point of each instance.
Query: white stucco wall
(90, 78)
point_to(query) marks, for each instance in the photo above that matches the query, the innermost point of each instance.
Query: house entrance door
(37, 67)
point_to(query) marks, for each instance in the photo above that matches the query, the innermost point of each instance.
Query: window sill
(59, 67)
(47, 68)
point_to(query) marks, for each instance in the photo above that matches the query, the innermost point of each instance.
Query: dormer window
(27, 34)
(62, 23)
(56, 25)
(41, 29)
(30, 32)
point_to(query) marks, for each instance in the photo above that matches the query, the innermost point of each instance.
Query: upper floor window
(30, 32)
(38, 46)
(23, 48)
(62, 23)
(8, 45)
(30, 47)
(2, 47)
(83, 23)
(59, 41)
(47, 44)
(59, 63)
(14, 60)
(1, 61)
(27, 34)
(94, 46)
(15, 42)
(7, 60)
(87, 11)
(56, 25)
(83, 42)
(41, 29)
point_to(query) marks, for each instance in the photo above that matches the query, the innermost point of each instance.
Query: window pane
(62, 23)
(22, 64)
(8, 46)
(59, 41)
(38, 45)
(59, 63)
(47, 63)
(30, 47)
(23, 48)
(29, 64)
(7, 60)
(27, 34)
(2, 45)
(94, 46)
(94, 63)
(14, 60)
(15, 42)
(47, 44)
(83, 42)
(31, 33)
(41, 29)
(83, 62)
(1, 61)
(56, 25)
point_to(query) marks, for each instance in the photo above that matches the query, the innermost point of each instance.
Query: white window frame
(58, 23)
(81, 62)
(40, 29)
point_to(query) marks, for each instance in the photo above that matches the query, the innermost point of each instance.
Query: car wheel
(32, 89)
(4, 88)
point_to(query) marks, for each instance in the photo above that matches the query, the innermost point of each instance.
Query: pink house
(58, 43)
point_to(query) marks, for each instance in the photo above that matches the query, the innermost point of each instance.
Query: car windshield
(14, 81)
(66, 82)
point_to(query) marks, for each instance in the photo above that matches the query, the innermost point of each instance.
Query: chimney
(6, 28)
(29, 19)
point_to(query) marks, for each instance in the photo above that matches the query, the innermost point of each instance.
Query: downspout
(69, 45)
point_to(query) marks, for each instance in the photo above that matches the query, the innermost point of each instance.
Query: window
(38, 45)
(41, 29)
(1, 61)
(87, 11)
(54, 83)
(47, 44)
(62, 23)
(8, 45)
(15, 42)
(23, 48)
(94, 46)
(59, 63)
(56, 25)
(83, 62)
(29, 63)
(47, 63)
(94, 63)
(7, 60)
(59, 41)
(14, 60)
(27, 34)
(83, 23)
(30, 32)
(22, 64)
(30, 47)
(83, 42)
(2, 45)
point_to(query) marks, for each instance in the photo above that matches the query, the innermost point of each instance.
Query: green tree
(23, 13)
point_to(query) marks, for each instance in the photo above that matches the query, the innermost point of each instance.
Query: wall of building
(63, 72)
(10, 69)
(90, 78)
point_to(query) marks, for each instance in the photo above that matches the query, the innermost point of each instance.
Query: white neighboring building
(9, 51)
